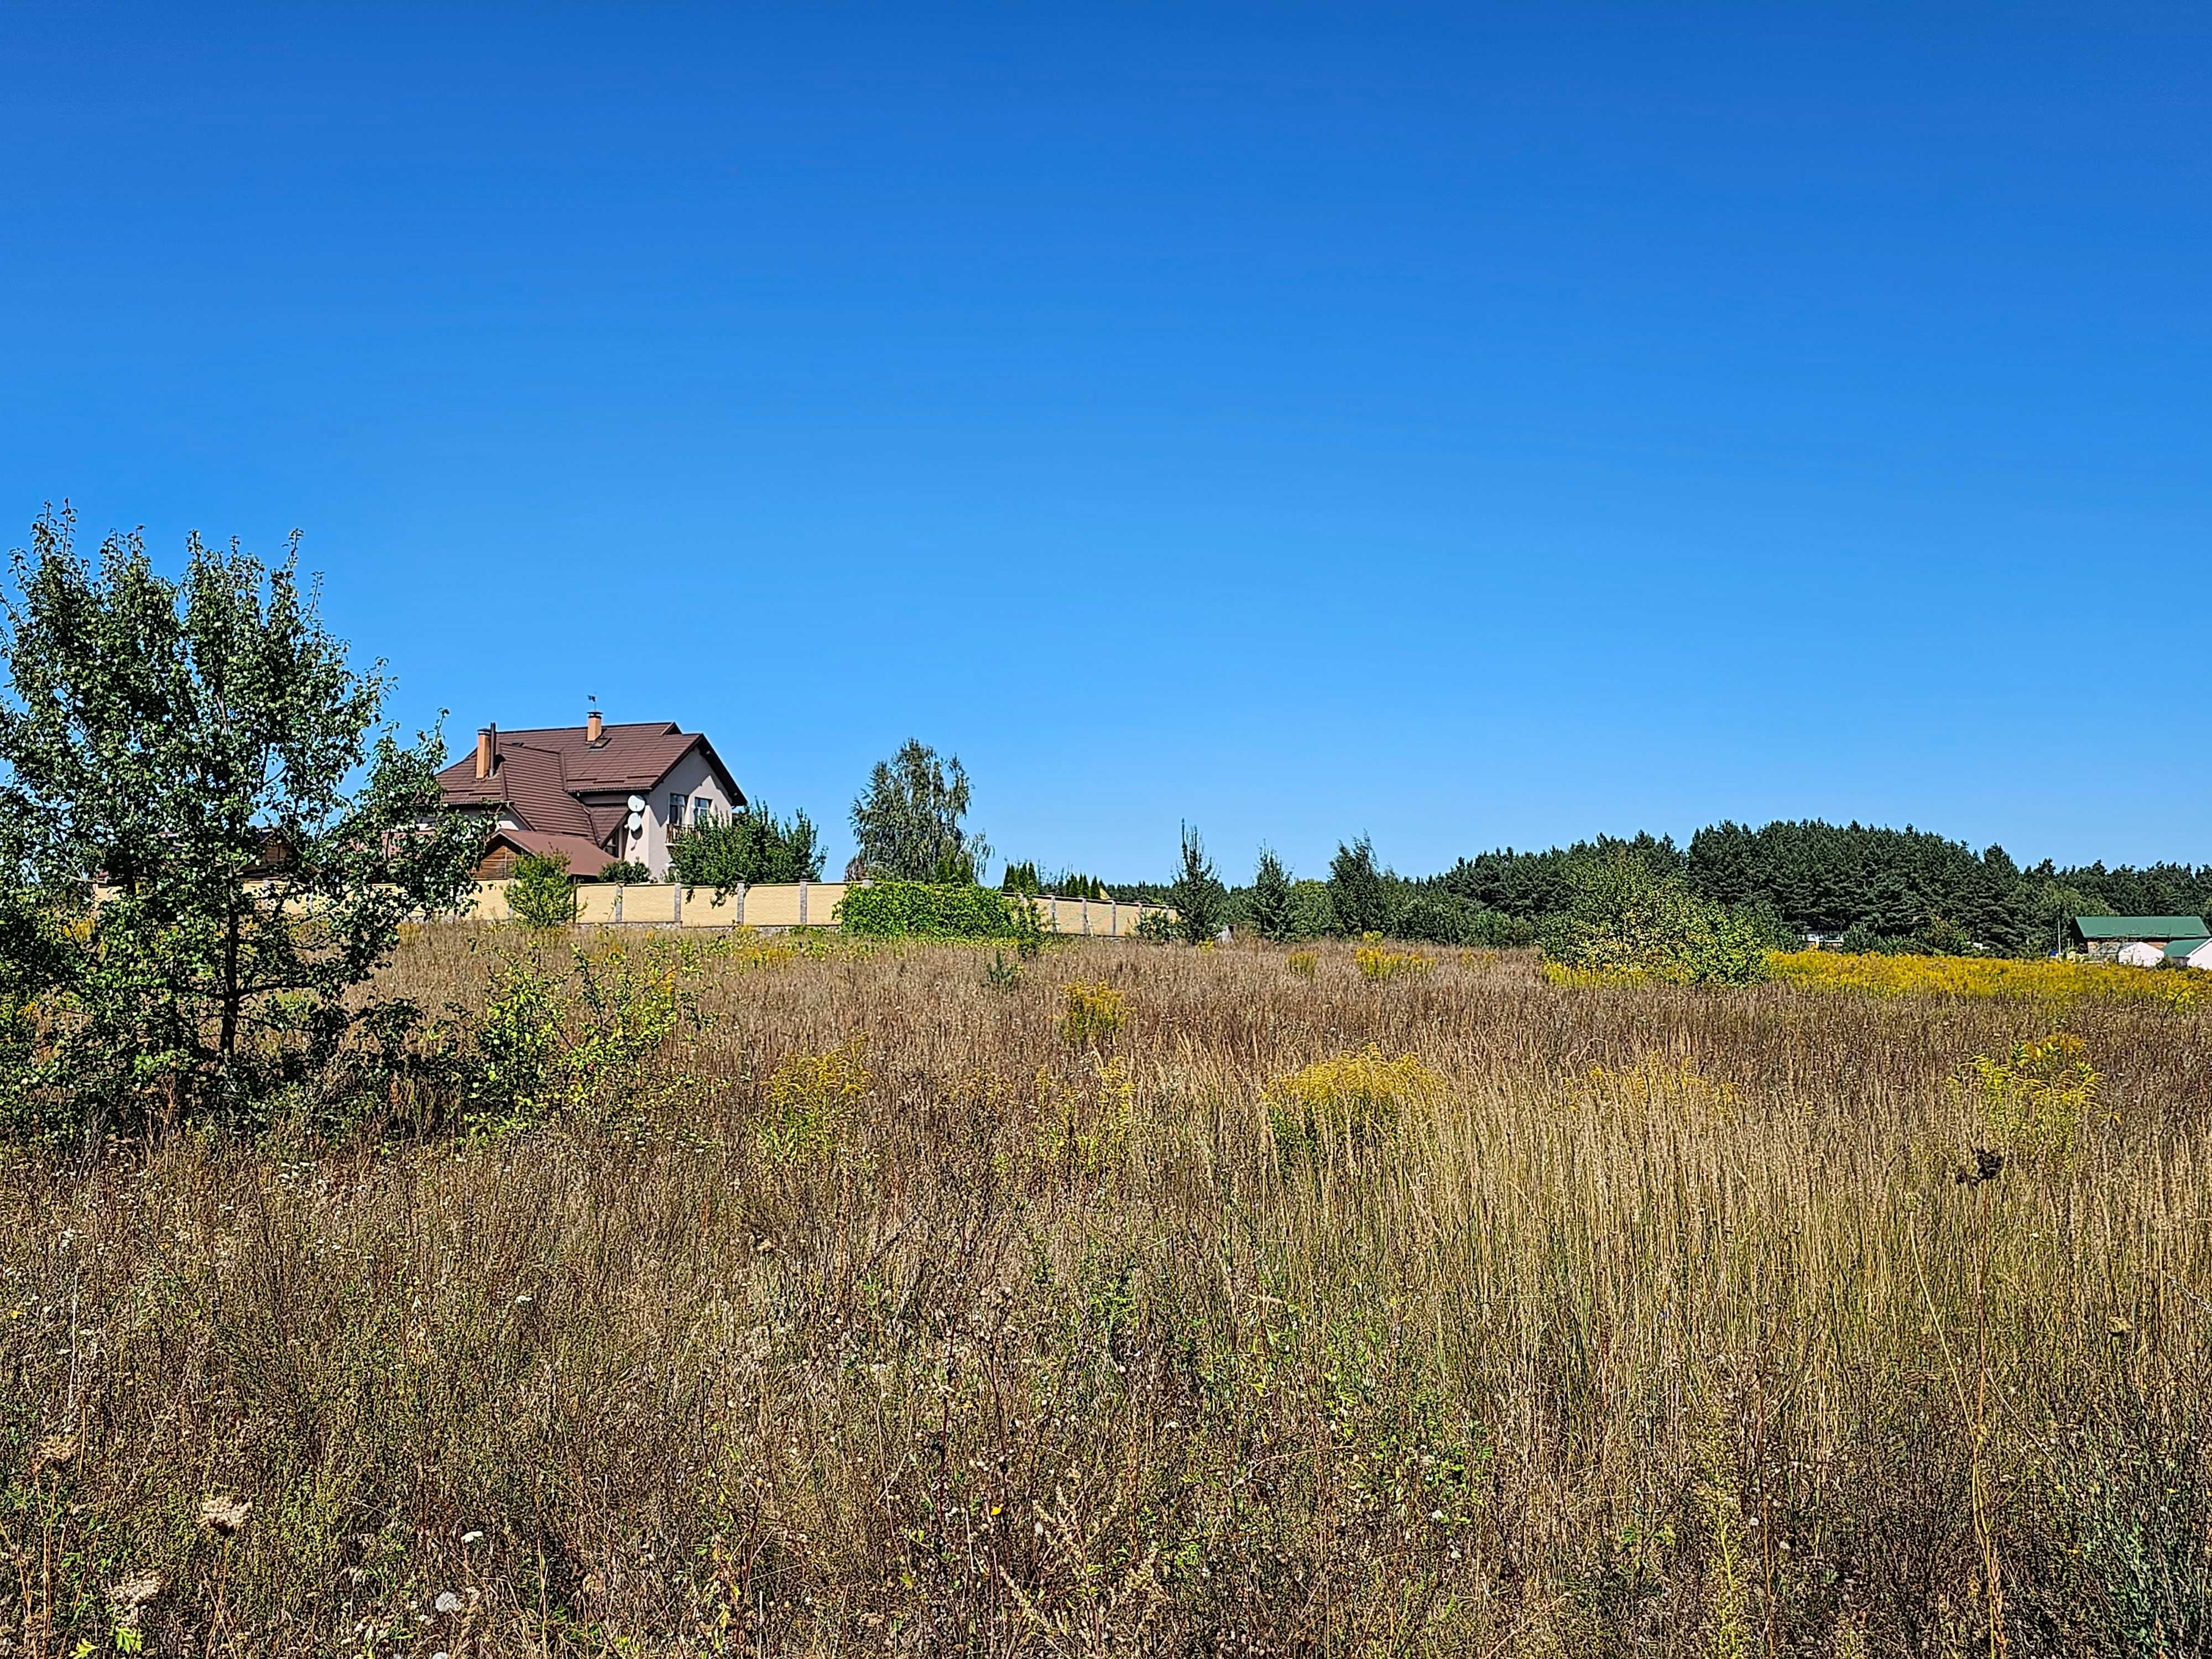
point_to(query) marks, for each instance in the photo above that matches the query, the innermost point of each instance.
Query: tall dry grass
(874, 1311)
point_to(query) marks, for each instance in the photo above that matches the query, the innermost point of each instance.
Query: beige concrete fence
(785, 904)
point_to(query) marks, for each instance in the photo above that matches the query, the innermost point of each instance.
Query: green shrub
(625, 870)
(745, 849)
(1312, 914)
(2037, 1101)
(1627, 920)
(517, 1041)
(920, 909)
(541, 894)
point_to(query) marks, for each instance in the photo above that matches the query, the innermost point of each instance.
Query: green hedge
(920, 909)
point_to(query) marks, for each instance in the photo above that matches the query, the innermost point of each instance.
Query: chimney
(484, 752)
(592, 727)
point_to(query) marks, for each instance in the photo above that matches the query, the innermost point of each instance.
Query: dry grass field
(839, 1301)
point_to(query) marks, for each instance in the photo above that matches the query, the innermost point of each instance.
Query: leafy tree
(626, 871)
(908, 822)
(1358, 892)
(1311, 914)
(1153, 927)
(744, 848)
(1197, 894)
(1625, 917)
(541, 894)
(1268, 903)
(190, 785)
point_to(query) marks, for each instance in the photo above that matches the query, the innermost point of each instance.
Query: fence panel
(597, 902)
(702, 910)
(785, 904)
(775, 907)
(650, 904)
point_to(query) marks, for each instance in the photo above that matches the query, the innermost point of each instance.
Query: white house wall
(689, 777)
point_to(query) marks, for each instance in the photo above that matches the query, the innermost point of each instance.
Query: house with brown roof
(595, 792)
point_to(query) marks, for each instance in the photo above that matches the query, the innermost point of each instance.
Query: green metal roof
(2180, 949)
(2144, 928)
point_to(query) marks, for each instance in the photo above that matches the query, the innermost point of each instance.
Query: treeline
(1871, 889)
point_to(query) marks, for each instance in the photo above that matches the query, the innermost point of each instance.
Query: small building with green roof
(2105, 936)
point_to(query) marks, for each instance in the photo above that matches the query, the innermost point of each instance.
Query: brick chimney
(592, 728)
(484, 752)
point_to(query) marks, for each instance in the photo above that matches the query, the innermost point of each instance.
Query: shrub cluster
(745, 848)
(921, 909)
(541, 894)
(1624, 918)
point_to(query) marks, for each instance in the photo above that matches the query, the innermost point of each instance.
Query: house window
(700, 807)
(676, 810)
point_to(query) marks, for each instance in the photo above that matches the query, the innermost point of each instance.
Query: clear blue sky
(1467, 427)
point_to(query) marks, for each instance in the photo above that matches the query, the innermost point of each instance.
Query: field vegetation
(2046, 981)
(802, 1297)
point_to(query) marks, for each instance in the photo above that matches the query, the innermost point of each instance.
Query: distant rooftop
(2159, 929)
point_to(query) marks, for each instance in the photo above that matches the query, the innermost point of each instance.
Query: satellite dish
(636, 804)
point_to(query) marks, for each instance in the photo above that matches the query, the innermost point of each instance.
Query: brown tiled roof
(531, 765)
(533, 786)
(585, 857)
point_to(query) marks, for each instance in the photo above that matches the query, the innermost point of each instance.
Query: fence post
(802, 904)
(616, 913)
(678, 914)
(740, 921)
(1113, 918)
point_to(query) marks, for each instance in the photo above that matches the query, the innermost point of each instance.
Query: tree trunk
(228, 1039)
